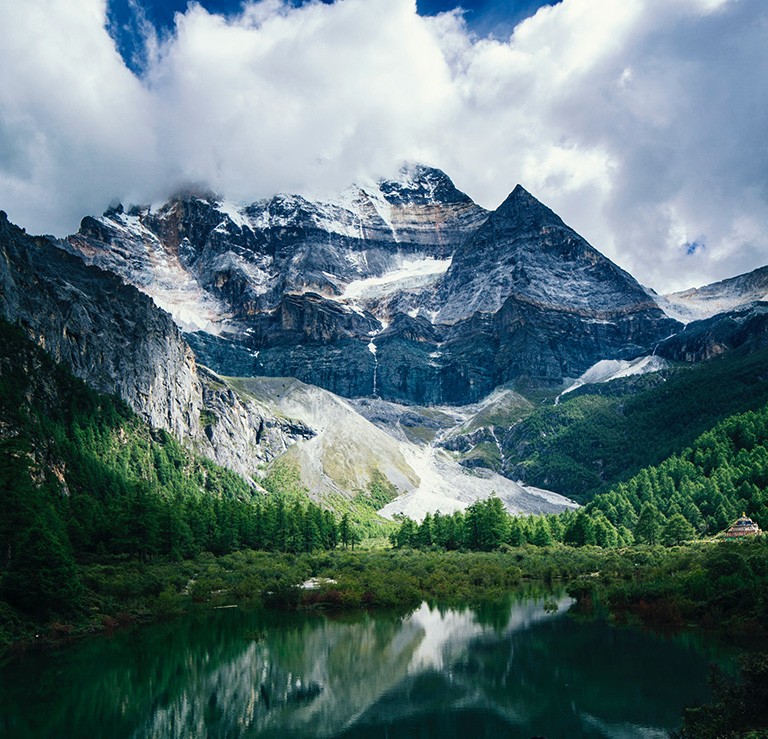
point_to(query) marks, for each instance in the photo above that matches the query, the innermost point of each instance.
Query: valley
(206, 405)
(383, 369)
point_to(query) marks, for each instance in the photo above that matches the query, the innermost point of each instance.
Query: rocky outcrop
(243, 434)
(211, 262)
(735, 293)
(726, 315)
(107, 333)
(115, 338)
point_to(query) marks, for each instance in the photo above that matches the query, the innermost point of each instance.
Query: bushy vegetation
(719, 585)
(739, 709)
(118, 590)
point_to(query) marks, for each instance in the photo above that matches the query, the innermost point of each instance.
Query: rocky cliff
(701, 303)
(744, 328)
(729, 314)
(115, 338)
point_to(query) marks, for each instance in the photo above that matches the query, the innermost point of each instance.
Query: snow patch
(612, 369)
(411, 273)
(191, 312)
(234, 214)
(162, 276)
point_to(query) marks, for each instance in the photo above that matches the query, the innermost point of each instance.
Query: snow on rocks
(410, 274)
(612, 369)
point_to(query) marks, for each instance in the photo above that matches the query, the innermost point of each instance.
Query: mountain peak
(524, 208)
(420, 184)
(525, 251)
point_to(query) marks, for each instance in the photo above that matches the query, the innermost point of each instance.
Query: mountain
(410, 317)
(115, 338)
(744, 328)
(403, 289)
(726, 315)
(548, 304)
(702, 303)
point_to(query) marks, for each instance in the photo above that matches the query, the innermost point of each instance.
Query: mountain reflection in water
(510, 669)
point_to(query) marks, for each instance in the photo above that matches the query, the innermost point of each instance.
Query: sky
(642, 123)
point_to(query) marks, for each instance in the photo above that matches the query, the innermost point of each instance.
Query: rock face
(115, 338)
(745, 328)
(402, 289)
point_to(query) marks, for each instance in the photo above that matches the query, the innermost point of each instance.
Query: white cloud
(641, 122)
(75, 124)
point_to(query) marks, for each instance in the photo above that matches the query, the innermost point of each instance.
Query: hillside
(601, 434)
(696, 493)
(82, 475)
(374, 454)
(723, 474)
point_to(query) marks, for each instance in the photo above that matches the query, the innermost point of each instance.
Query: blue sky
(480, 12)
(640, 122)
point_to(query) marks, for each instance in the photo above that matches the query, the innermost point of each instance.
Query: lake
(514, 669)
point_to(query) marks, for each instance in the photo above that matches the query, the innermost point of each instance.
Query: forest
(83, 478)
(603, 434)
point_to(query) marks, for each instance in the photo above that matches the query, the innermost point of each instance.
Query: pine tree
(648, 528)
(516, 531)
(345, 531)
(677, 531)
(581, 531)
(43, 578)
(424, 533)
(542, 535)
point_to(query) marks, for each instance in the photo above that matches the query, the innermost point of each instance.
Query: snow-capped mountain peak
(459, 300)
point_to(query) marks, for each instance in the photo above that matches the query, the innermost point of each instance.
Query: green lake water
(515, 669)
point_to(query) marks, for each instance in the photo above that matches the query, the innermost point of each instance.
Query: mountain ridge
(443, 291)
(535, 307)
